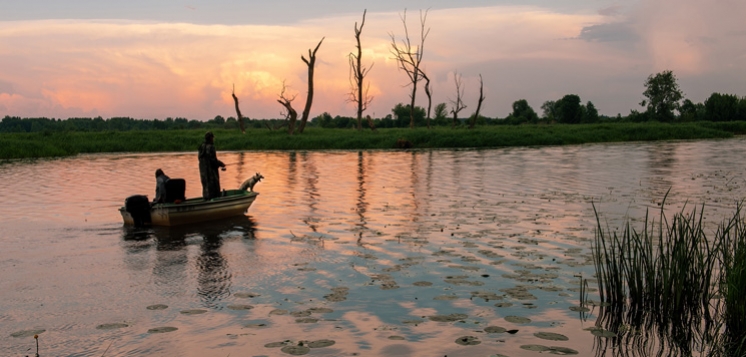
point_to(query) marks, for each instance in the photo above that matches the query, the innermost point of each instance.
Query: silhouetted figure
(160, 186)
(208, 168)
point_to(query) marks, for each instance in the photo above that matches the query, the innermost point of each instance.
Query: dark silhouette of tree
(409, 57)
(522, 113)
(590, 114)
(238, 111)
(663, 96)
(479, 104)
(458, 104)
(569, 109)
(290, 114)
(359, 93)
(311, 63)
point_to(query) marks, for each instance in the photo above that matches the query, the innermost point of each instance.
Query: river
(372, 253)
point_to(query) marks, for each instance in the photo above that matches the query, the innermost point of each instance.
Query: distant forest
(566, 110)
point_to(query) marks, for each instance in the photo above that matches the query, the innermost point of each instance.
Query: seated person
(160, 186)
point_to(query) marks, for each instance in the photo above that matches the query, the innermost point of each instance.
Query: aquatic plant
(670, 281)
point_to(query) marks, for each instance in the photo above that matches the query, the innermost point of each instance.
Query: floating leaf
(468, 341)
(503, 304)
(296, 350)
(157, 307)
(320, 310)
(445, 297)
(259, 325)
(551, 336)
(245, 295)
(494, 329)
(537, 348)
(239, 307)
(448, 318)
(579, 309)
(603, 333)
(398, 338)
(277, 344)
(307, 320)
(111, 326)
(517, 319)
(321, 343)
(162, 329)
(279, 312)
(422, 283)
(26, 333)
(193, 312)
(563, 351)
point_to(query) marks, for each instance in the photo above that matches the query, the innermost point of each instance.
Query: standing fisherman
(208, 168)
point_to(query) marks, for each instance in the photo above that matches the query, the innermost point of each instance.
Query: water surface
(373, 250)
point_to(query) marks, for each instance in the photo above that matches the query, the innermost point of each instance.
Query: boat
(138, 211)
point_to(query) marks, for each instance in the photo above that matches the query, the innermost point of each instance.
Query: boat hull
(196, 210)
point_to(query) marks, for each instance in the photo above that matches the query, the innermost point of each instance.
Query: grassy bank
(54, 144)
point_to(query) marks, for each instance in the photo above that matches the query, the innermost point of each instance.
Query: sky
(157, 59)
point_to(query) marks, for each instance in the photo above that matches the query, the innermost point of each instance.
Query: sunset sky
(157, 59)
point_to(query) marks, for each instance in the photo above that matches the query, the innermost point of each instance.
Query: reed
(671, 278)
(65, 143)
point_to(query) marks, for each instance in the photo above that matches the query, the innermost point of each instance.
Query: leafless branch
(458, 104)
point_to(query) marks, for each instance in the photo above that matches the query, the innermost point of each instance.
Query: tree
(458, 104)
(550, 110)
(522, 113)
(441, 114)
(568, 109)
(238, 111)
(359, 93)
(591, 113)
(311, 63)
(409, 57)
(479, 104)
(663, 96)
(402, 114)
(722, 107)
(429, 94)
(290, 114)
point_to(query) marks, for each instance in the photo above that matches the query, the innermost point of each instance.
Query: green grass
(671, 278)
(55, 144)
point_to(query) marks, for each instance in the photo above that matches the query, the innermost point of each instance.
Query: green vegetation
(54, 144)
(673, 283)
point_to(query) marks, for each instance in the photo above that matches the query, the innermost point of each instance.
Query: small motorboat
(178, 210)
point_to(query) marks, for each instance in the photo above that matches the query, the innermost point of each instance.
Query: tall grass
(670, 278)
(50, 144)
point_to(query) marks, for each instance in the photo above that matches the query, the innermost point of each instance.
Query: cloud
(609, 32)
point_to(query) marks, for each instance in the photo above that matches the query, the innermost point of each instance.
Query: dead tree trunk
(238, 111)
(479, 104)
(458, 104)
(311, 63)
(429, 94)
(359, 92)
(291, 115)
(409, 58)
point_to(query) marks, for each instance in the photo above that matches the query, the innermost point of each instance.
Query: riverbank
(57, 144)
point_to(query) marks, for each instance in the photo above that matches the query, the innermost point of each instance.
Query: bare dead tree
(429, 94)
(370, 123)
(409, 57)
(238, 111)
(479, 104)
(290, 114)
(311, 63)
(359, 92)
(458, 104)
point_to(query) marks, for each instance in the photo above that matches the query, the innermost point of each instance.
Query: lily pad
(603, 333)
(162, 329)
(579, 309)
(422, 283)
(279, 312)
(320, 310)
(277, 344)
(445, 297)
(551, 336)
(157, 307)
(321, 343)
(307, 320)
(300, 313)
(26, 333)
(517, 319)
(239, 307)
(448, 318)
(244, 295)
(398, 338)
(562, 351)
(296, 350)
(504, 304)
(468, 341)
(193, 312)
(111, 326)
(259, 325)
(537, 348)
(414, 322)
(494, 329)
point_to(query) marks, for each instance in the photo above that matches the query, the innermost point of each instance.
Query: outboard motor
(138, 207)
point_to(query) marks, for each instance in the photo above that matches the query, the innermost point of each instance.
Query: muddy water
(379, 253)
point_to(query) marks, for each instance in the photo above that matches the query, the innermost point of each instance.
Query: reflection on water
(373, 250)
